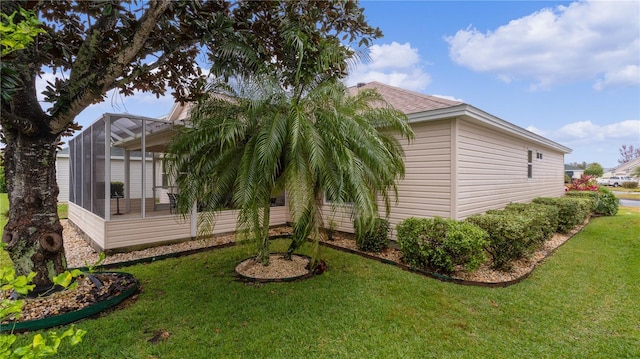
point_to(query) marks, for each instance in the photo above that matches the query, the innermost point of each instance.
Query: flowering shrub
(584, 183)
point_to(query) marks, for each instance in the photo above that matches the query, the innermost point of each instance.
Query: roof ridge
(441, 100)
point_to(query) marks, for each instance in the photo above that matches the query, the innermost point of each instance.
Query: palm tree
(254, 141)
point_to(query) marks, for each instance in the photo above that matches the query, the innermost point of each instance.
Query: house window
(539, 155)
(529, 164)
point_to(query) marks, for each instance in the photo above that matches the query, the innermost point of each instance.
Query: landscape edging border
(444, 277)
(438, 276)
(70, 317)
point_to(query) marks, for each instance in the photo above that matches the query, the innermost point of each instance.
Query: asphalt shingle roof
(405, 100)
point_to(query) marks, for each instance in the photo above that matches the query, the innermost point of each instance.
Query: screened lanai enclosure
(119, 196)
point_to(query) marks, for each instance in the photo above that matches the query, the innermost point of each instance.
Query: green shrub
(544, 218)
(631, 184)
(592, 196)
(603, 201)
(375, 239)
(440, 244)
(608, 203)
(571, 210)
(511, 236)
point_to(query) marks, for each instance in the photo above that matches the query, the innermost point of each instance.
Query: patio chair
(173, 198)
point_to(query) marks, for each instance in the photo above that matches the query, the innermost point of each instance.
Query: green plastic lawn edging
(66, 318)
(444, 277)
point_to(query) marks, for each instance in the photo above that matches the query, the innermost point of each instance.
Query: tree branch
(86, 97)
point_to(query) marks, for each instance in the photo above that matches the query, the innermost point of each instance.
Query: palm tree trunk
(263, 250)
(302, 231)
(33, 233)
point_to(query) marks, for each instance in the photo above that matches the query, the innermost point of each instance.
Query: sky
(566, 70)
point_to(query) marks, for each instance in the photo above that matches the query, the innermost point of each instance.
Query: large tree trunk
(33, 233)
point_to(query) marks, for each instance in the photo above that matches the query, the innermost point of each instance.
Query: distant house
(573, 172)
(463, 161)
(625, 169)
(62, 174)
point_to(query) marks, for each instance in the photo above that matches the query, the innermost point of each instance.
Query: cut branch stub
(51, 242)
(10, 238)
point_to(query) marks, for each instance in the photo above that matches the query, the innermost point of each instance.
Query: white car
(615, 181)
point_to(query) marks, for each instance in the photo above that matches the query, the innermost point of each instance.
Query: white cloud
(393, 64)
(446, 97)
(587, 40)
(584, 132)
(537, 131)
(627, 76)
(593, 142)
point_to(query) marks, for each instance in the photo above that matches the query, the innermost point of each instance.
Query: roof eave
(473, 113)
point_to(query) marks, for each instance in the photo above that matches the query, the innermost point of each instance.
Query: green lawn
(627, 193)
(581, 303)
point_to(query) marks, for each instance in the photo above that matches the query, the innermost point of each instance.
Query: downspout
(453, 214)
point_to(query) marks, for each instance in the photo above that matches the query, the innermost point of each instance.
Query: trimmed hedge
(592, 196)
(440, 244)
(545, 217)
(511, 235)
(631, 184)
(605, 203)
(571, 210)
(375, 239)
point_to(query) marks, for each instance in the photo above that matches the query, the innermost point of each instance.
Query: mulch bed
(88, 293)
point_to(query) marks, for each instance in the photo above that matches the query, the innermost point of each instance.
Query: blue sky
(569, 71)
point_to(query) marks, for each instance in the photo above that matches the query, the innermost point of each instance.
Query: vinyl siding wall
(117, 175)
(62, 177)
(426, 189)
(92, 225)
(492, 170)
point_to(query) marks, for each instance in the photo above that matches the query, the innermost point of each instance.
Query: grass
(627, 193)
(581, 303)
(633, 196)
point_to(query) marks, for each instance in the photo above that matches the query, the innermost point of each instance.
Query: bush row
(571, 210)
(443, 245)
(604, 202)
(517, 231)
(506, 235)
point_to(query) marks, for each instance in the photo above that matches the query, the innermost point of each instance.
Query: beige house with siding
(462, 161)
(465, 161)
